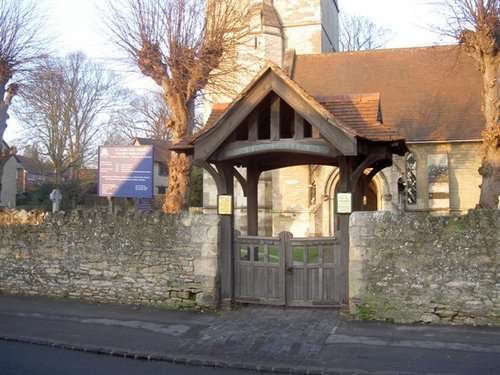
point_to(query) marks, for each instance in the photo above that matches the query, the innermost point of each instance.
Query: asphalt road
(28, 359)
(257, 337)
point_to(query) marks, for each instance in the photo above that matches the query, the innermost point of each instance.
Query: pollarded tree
(183, 45)
(63, 107)
(476, 25)
(21, 43)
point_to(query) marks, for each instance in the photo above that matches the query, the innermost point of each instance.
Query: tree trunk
(57, 178)
(3, 126)
(490, 169)
(179, 164)
(490, 166)
(2, 164)
(179, 168)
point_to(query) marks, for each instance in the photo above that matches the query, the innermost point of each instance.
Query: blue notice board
(126, 171)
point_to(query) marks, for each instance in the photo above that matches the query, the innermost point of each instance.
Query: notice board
(125, 171)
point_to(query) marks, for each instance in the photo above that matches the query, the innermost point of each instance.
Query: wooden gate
(289, 271)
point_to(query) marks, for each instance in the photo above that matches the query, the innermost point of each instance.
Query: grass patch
(365, 312)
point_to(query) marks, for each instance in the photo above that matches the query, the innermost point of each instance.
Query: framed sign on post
(125, 171)
(344, 203)
(225, 204)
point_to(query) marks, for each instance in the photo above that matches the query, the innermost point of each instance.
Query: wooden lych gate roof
(274, 123)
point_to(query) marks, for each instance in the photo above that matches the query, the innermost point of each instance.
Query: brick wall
(132, 257)
(414, 267)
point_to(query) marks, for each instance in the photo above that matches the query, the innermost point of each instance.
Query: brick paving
(291, 335)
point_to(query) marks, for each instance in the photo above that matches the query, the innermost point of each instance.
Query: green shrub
(196, 199)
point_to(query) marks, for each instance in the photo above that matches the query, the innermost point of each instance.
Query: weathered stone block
(412, 259)
(126, 258)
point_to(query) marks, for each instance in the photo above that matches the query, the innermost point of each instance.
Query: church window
(411, 179)
(162, 169)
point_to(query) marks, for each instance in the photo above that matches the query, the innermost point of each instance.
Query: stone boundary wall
(132, 257)
(414, 267)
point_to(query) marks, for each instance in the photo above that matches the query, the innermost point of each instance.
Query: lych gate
(275, 124)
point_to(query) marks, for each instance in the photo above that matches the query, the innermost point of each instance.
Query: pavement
(255, 338)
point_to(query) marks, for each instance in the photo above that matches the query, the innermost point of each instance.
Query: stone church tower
(278, 29)
(306, 26)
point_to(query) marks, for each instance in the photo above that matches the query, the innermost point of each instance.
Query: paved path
(267, 339)
(265, 334)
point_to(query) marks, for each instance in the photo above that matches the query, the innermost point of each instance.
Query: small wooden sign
(145, 204)
(225, 205)
(344, 203)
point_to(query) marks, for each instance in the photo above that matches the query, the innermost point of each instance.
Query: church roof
(426, 94)
(361, 112)
(217, 110)
(267, 13)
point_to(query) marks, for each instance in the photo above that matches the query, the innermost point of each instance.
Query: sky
(77, 22)
(411, 21)
(76, 25)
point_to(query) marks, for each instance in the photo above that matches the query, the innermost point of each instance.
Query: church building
(428, 96)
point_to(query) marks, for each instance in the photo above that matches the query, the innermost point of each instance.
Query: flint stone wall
(414, 267)
(132, 257)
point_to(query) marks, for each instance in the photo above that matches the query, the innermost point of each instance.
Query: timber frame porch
(275, 124)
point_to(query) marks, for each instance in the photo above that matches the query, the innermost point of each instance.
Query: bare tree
(183, 45)
(21, 43)
(476, 26)
(63, 108)
(144, 115)
(360, 33)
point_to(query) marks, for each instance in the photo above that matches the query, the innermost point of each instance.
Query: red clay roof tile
(426, 94)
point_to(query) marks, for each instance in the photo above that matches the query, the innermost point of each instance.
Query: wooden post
(285, 270)
(111, 205)
(298, 124)
(275, 118)
(226, 256)
(253, 129)
(346, 170)
(253, 201)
